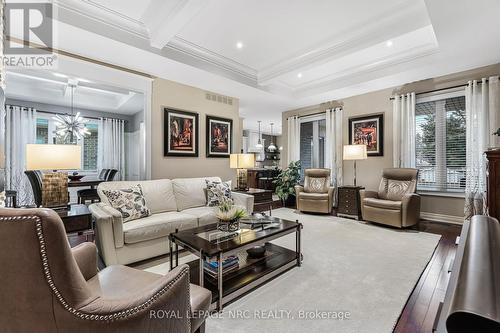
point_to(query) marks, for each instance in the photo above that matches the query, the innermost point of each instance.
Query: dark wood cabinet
(349, 202)
(263, 199)
(493, 183)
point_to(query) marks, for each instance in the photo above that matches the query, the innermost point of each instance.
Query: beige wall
(174, 95)
(369, 171)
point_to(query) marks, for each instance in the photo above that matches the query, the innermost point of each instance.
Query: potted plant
(285, 183)
(229, 215)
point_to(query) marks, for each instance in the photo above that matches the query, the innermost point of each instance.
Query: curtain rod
(63, 113)
(312, 114)
(435, 90)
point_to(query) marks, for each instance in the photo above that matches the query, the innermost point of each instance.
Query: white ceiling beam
(165, 18)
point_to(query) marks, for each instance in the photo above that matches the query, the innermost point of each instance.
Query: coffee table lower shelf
(252, 275)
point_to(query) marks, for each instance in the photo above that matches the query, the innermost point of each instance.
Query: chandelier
(70, 126)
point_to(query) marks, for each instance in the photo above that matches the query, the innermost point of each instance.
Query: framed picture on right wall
(368, 130)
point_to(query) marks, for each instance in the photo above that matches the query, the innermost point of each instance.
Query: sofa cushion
(313, 196)
(380, 203)
(156, 226)
(190, 192)
(159, 194)
(129, 202)
(205, 215)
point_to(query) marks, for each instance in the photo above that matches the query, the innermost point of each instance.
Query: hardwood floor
(421, 308)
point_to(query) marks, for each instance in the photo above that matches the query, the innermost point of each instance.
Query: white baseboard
(441, 218)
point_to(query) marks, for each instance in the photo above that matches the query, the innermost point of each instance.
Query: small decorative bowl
(75, 177)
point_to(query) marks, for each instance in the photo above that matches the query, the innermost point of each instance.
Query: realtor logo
(29, 27)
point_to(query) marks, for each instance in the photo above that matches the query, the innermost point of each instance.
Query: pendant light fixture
(70, 126)
(259, 142)
(271, 147)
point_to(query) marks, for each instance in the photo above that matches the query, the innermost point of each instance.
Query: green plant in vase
(286, 180)
(229, 215)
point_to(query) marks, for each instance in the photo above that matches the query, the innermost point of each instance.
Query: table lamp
(54, 157)
(241, 162)
(354, 153)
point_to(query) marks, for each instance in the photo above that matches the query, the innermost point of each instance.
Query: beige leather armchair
(395, 203)
(47, 287)
(316, 195)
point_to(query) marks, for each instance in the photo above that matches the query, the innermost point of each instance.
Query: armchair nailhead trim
(82, 315)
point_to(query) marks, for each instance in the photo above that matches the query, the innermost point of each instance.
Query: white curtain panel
(482, 117)
(20, 130)
(112, 146)
(403, 109)
(333, 145)
(293, 142)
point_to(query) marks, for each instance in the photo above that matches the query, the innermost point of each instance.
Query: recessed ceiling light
(299, 75)
(239, 45)
(60, 75)
(388, 43)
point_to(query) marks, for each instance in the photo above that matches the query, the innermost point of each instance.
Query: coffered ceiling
(283, 54)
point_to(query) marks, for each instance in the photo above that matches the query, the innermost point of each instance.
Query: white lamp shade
(355, 152)
(241, 161)
(53, 157)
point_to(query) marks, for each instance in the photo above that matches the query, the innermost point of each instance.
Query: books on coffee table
(228, 264)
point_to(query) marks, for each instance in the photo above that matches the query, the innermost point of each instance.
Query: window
(45, 133)
(312, 142)
(440, 142)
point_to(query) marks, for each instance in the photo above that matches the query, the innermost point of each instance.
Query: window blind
(440, 144)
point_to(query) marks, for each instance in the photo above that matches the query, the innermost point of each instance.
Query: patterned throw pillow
(129, 202)
(216, 190)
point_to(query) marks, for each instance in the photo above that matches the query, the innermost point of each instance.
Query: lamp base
(242, 182)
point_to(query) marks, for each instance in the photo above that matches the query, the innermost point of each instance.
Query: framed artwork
(180, 133)
(219, 136)
(368, 130)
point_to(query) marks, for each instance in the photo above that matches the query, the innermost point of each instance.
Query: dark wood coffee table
(208, 243)
(77, 219)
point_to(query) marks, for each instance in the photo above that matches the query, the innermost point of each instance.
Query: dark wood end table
(77, 218)
(349, 204)
(263, 199)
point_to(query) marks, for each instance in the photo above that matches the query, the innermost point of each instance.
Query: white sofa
(174, 204)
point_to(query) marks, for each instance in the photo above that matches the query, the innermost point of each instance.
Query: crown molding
(193, 50)
(407, 16)
(360, 73)
(396, 58)
(92, 10)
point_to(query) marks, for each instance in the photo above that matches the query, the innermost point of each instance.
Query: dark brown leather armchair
(47, 287)
(316, 195)
(395, 203)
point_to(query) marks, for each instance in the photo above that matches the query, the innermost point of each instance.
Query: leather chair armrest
(298, 189)
(85, 255)
(244, 200)
(410, 209)
(168, 293)
(331, 193)
(365, 194)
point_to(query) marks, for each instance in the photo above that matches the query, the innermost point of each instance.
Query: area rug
(356, 277)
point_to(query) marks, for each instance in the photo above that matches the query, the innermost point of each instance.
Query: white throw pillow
(216, 190)
(129, 202)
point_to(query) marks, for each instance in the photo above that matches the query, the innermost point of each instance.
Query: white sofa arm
(243, 200)
(109, 229)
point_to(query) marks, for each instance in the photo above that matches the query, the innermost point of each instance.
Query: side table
(349, 204)
(77, 219)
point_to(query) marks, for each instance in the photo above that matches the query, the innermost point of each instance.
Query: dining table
(87, 181)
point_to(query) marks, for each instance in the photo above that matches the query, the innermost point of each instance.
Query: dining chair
(35, 179)
(90, 194)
